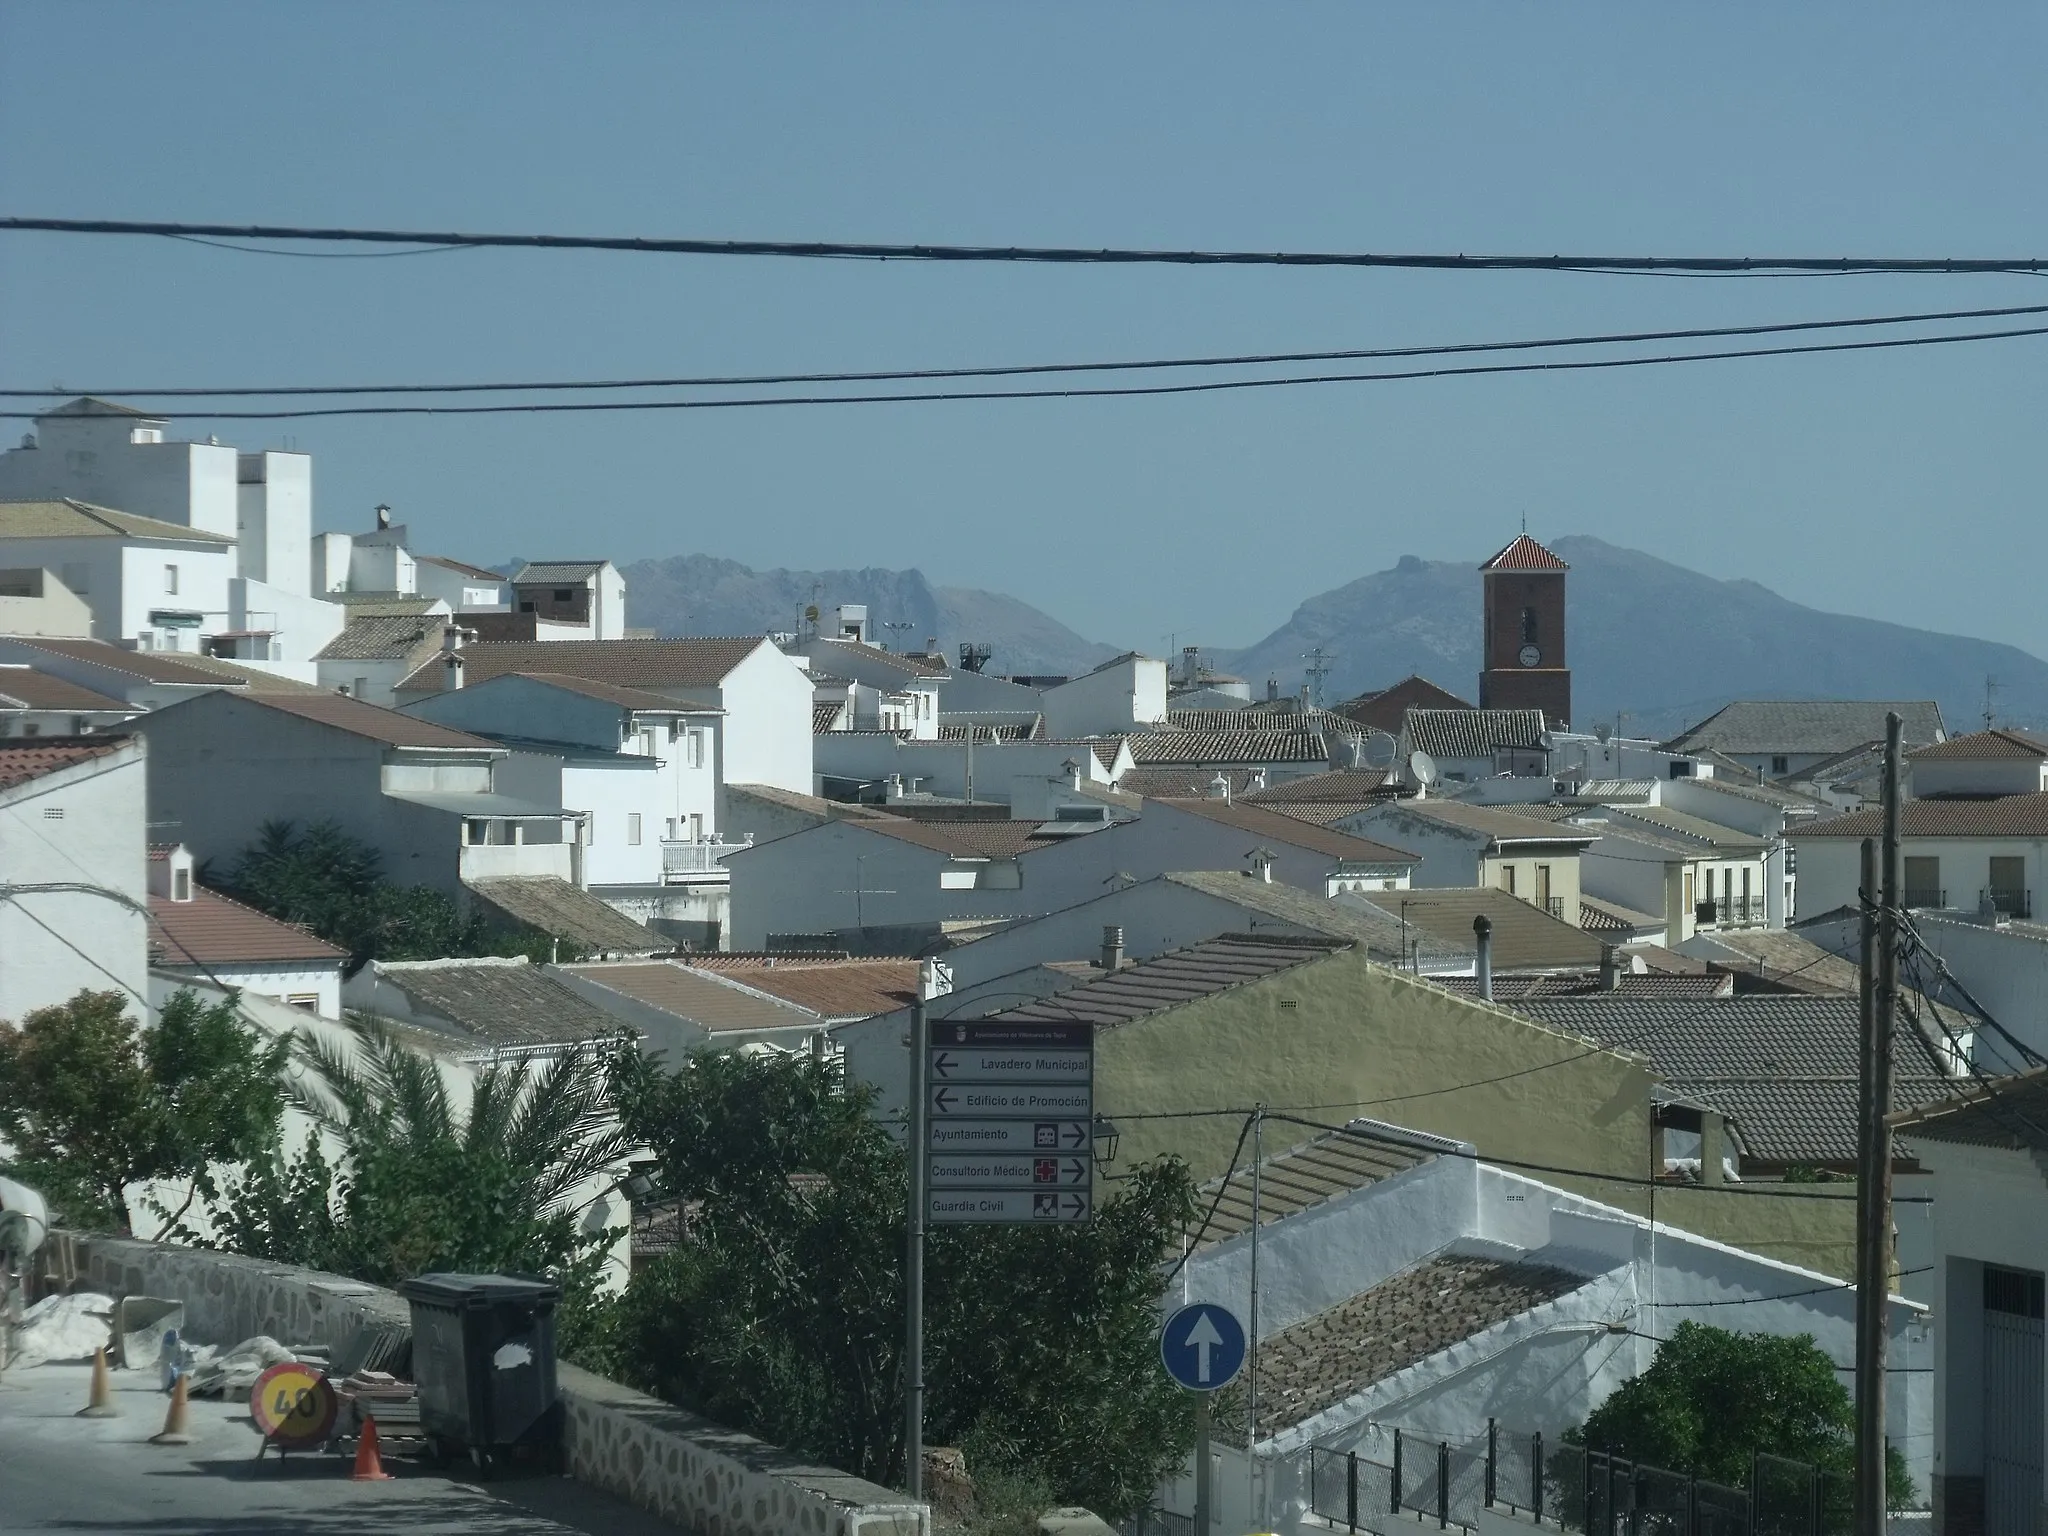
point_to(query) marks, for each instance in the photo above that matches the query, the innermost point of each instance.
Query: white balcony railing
(683, 859)
(487, 860)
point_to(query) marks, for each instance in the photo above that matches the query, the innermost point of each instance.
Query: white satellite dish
(1546, 741)
(1422, 768)
(1379, 751)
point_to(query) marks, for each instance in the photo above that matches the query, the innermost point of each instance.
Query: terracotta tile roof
(93, 405)
(1525, 554)
(1710, 833)
(1803, 726)
(499, 1004)
(1495, 822)
(611, 693)
(1304, 1177)
(1335, 1355)
(151, 666)
(460, 567)
(828, 717)
(651, 664)
(1319, 813)
(1254, 746)
(29, 689)
(23, 758)
(2008, 816)
(1450, 734)
(1383, 710)
(811, 805)
(387, 605)
(1525, 937)
(691, 994)
(1171, 783)
(1181, 976)
(541, 572)
(561, 910)
(1508, 989)
(2009, 1112)
(1379, 932)
(67, 519)
(390, 726)
(1784, 1066)
(1338, 785)
(382, 637)
(1610, 917)
(1980, 745)
(1014, 730)
(214, 930)
(832, 989)
(1258, 821)
(1542, 810)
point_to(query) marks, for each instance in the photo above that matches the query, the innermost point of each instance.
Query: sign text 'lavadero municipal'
(1009, 1122)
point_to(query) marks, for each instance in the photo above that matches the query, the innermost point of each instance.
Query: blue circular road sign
(1202, 1347)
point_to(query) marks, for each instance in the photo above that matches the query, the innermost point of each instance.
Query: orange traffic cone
(177, 1422)
(369, 1465)
(100, 1405)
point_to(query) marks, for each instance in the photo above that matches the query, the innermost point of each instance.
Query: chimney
(1073, 770)
(1112, 946)
(1190, 665)
(1262, 865)
(1219, 788)
(1272, 690)
(1610, 969)
(1482, 930)
(453, 638)
(451, 669)
(383, 516)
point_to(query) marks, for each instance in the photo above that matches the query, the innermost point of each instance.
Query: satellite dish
(1379, 751)
(1602, 731)
(1546, 741)
(1422, 768)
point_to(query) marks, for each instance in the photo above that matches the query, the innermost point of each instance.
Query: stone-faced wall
(697, 1475)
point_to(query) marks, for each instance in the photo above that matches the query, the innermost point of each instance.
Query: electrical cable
(900, 375)
(2027, 1053)
(1750, 1301)
(1059, 255)
(1124, 391)
(1221, 1190)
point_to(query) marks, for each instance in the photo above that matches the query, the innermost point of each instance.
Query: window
(1688, 888)
(632, 829)
(171, 579)
(1923, 882)
(310, 1001)
(695, 757)
(696, 827)
(1507, 878)
(362, 687)
(1543, 885)
(565, 594)
(526, 607)
(1528, 626)
(181, 885)
(1781, 765)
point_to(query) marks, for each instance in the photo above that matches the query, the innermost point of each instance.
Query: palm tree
(421, 1187)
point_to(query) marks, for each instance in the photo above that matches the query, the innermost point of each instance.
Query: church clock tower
(1524, 658)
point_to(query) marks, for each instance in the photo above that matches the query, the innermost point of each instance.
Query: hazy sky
(1905, 485)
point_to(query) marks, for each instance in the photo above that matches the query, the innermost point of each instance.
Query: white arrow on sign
(1202, 1338)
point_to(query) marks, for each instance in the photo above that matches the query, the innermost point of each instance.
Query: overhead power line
(1059, 255)
(1118, 391)
(1012, 370)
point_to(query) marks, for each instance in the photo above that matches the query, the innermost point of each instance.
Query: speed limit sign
(293, 1405)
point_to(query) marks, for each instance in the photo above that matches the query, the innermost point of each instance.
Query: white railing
(682, 857)
(485, 860)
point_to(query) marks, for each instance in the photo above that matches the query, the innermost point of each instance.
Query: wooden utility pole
(1879, 995)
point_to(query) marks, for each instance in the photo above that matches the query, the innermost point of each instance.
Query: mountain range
(1662, 645)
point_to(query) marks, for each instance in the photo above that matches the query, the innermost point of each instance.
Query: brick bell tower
(1524, 658)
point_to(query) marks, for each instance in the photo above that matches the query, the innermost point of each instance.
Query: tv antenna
(1990, 688)
(1317, 669)
(973, 656)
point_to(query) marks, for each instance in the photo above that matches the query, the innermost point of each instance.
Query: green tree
(417, 1186)
(782, 1310)
(94, 1103)
(333, 884)
(1712, 1399)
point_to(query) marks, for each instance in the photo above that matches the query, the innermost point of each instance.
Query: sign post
(1203, 1348)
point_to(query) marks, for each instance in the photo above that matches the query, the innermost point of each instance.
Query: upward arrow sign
(1202, 1338)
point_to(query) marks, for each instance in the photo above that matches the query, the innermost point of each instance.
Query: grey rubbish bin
(483, 1353)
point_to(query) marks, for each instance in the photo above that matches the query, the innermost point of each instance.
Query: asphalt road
(101, 1477)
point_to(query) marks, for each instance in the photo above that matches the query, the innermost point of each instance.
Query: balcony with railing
(1554, 905)
(2007, 901)
(696, 859)
(1925, 896)
(1730, 912)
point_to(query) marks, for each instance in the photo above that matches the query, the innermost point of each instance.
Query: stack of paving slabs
(379, 1395)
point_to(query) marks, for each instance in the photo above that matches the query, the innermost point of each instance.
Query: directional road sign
(972, 1172)
(1202, 1347)
(1009, 1116)
(1025, 1206)
(1010, 1136)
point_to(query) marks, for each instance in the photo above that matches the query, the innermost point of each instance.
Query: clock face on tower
(1529, 656)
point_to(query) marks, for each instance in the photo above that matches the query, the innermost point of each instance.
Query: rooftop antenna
(1525, 522)
(1990, 688)
(1318, 668)
(973, 656)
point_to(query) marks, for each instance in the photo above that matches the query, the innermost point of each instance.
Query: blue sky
(1905, 485)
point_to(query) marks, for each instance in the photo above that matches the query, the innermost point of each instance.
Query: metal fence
(1570, 1487)
(1158, 1522)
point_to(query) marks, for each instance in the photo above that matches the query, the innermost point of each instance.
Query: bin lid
(457, 1290)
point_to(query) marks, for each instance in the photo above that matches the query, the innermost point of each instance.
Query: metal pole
(913, 1259)
(1443, 1485)
(1492, 1458)
(1203, 1457)
(1351, 1490)
(1251, 1411)
(1396, 1480)
(1873, 1261)
(1536, 1477)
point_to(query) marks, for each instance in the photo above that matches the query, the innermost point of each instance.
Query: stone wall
(697, 1475)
